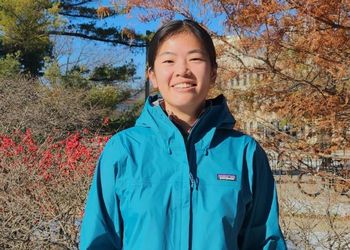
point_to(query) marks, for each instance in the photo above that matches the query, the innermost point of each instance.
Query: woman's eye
(168, 61)
(197, 59)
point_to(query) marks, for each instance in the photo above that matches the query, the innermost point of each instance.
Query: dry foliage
(320, 222)
(39, 214)
(300, 47)
(28, 104)
(43, 187)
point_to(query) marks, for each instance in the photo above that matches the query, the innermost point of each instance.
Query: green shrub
(106, 96)
(9, 66)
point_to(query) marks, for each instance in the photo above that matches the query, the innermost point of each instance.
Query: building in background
(238, 74)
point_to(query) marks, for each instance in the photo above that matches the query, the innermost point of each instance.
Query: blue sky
(90, 53)
(74, 51)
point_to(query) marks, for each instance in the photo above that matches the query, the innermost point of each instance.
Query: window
(260, 127)
(258, 77)
(251, 126)
(232, 82)
(245, 80)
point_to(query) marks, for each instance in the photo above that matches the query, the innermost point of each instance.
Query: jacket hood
(216, 115)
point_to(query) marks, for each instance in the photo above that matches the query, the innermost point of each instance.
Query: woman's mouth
(183, 85)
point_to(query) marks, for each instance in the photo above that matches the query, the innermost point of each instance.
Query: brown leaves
(103, 11)
(301, 47)
(129, 33)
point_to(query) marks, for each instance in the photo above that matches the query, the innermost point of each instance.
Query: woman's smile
(184, 85)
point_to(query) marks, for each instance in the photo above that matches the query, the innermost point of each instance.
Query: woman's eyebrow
(167, 53)
(190, 52)
(197, 51)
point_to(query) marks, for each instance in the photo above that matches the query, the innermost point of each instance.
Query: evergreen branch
(136, 44)
(68, 5)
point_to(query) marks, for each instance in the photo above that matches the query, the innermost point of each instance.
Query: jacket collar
(216, 116)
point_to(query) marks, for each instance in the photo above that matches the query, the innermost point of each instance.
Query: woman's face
(182, 72)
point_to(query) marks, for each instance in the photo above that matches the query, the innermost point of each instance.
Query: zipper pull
(192, 181)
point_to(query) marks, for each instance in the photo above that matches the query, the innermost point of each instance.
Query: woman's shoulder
(240, 137)
(133, 135)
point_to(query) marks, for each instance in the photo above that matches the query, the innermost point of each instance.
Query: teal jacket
(153, 189)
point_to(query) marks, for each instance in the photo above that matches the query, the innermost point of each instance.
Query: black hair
(175, 27)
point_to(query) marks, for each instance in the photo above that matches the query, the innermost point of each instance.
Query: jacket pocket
(147, 196)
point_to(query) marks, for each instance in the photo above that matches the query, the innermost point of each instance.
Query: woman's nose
(182, 69)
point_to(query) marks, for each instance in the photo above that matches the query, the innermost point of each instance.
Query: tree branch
(318, 18)
(134, 43)
(75, 4)
(86, 16)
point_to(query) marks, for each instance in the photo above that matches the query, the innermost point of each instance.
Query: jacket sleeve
(260, 229)
(102, 223)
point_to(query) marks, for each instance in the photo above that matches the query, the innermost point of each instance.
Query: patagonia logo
(227, 177)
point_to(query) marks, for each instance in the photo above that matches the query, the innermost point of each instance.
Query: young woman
(182, 177)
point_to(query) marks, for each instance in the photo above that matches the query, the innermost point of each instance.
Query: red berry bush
(43, 187)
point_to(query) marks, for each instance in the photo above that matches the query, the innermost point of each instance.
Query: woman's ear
(152, 78)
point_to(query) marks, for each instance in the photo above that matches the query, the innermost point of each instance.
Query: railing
(313, 175)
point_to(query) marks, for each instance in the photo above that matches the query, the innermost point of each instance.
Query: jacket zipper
(193, 181)
(192, 188)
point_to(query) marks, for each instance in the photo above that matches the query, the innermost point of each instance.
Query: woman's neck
(185, 119)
